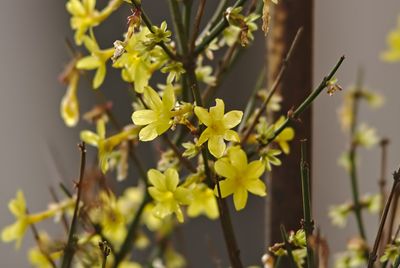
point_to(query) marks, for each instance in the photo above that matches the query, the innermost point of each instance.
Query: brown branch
(382, 180)
(373, 255)
(196, 29)
(69, 248)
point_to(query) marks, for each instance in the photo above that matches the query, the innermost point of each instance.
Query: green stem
(70, 247)
(214, 19)
(252, 100)
(305, 185)
(373, 255)
(306, 103)
(187, 10)
(221, 25)
(181, 37)
(353, 159)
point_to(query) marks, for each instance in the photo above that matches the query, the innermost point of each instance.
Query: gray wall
(32, 52)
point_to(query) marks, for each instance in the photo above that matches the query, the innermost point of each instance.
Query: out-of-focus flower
(96, 61)
(69, 107)
(285, 136)
(366, 136)
(167, 195)
(204, 202)
(392, 54)
(339, 214)
(269, 158)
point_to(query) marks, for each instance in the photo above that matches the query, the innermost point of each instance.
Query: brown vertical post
(285, 203)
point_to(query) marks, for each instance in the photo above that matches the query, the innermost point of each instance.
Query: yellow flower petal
(232, 119)
(205, 135)
(224, 168)
(217, 111)
(88, 63)
(168, 98)
(217, 146)
(172, 179)
(152, 99)
(99, 76)
(202, 115)
(231, 135)
(237, 157)
(90, 137)
(157, 179)
(256, 187)
(144, 117)
(255, 169)
(227, 187)
(240, 198)
(148, 133)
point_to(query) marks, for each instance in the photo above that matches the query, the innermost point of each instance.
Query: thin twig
(308, 225)
(382, 180)
(306, 103)
(181, 37)
(218, 13)
(70, 247)
(197, 21)
(274, 86)
(373, 255)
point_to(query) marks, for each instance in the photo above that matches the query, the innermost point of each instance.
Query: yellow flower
(167, 194)
(204, 202)
(137, 63)
(69, 104)
(393, 52)
(17, 206)
(159, 117)
(285, 136)
(241, 177)
(38, 259)
(218, 127)
(85, 15)
(97, 60)
(106, 145)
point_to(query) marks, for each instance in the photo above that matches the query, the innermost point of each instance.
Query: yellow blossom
(106, 145)
(96, 60)
(218, 127)
(241, 177)
(17, 206)
(392, 54)
(204, 202)
(285, 136)
(158, 118)
(85, 16)
(167, 194)
(69, 108)
(138, 63)
(38, 259)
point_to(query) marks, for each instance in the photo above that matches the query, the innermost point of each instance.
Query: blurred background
(38, 150)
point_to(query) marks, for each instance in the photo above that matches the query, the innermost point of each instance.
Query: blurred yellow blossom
(85, 16)
(241, 177)
(167, 195)
(69, 108)
(204, 202)
(18, 208)
(285, 136)
(392, 54)
(219, 127)
(97, 60)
